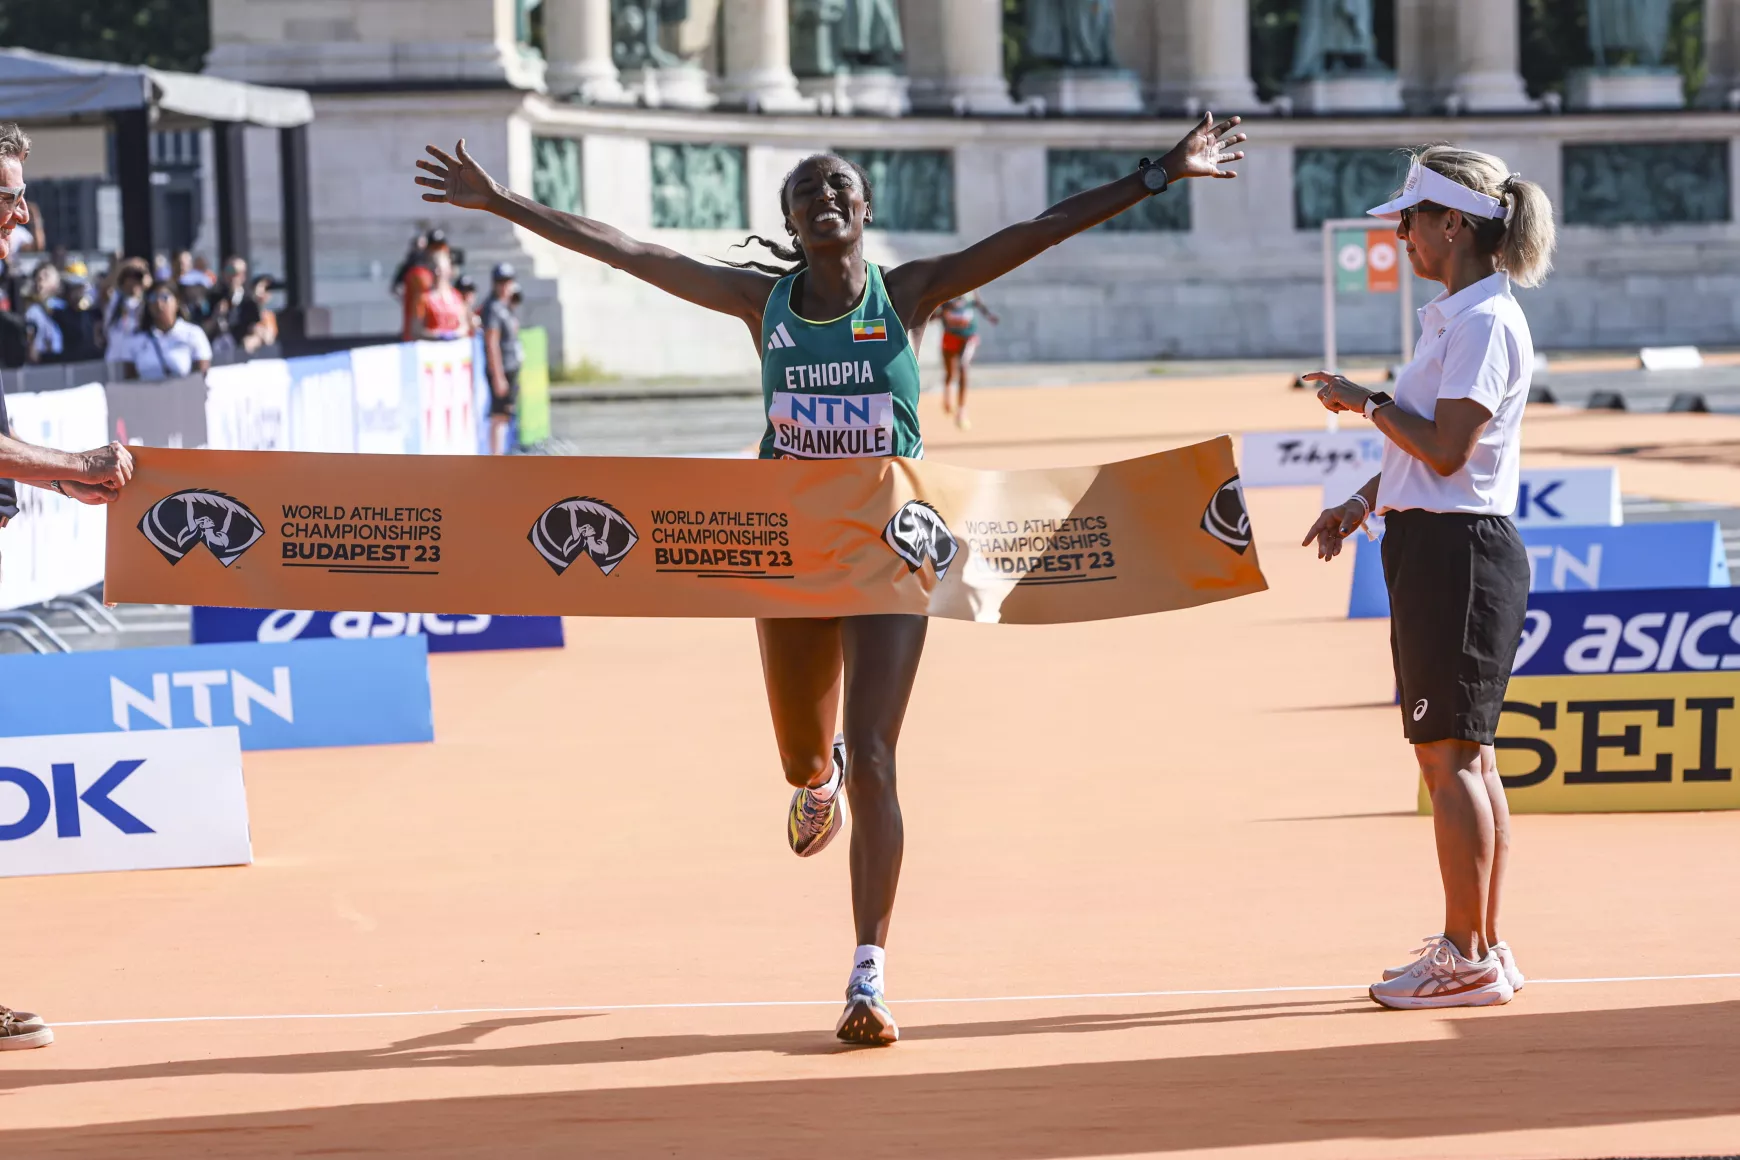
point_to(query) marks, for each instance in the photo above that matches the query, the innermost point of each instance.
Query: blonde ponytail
(1522, 241)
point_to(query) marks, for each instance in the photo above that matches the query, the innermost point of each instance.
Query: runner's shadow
(1473, 1074)
(454, 1048)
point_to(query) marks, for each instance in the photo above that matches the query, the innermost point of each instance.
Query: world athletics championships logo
(917, 532)
(580, 526)
(1226, 518)
(177, 524)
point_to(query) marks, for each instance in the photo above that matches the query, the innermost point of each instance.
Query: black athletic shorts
(510, 403)
(1459, 595)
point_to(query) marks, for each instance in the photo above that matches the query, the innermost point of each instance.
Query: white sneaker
(1507, 959)
(20, 1030)
(1426, 947)
(1445, 978)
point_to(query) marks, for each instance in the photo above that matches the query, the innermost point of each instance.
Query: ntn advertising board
(308, 693)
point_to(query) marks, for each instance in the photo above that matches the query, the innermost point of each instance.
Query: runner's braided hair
(794, 253)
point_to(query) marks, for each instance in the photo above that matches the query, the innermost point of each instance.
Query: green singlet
(842, 389)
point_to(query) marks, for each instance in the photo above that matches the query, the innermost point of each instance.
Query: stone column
(1488, 51)
(578, 51)
(1203, 52)
(1721, 55)
(1423, 28)
(954, 56)
(757, 54)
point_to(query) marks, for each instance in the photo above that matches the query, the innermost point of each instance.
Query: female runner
(828, 305)
(960, 340)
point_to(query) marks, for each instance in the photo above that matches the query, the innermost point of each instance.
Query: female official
(960, 340)
(829, 304)
(1456, 570)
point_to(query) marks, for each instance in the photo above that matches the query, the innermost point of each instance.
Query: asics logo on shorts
(1419, 708)
(179, 523)
(917, 532)
(1226, 518)
(780, 339)
(580, 526)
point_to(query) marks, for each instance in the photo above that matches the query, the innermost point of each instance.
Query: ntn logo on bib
(816, 426)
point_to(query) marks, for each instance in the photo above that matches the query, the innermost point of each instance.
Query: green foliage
(166, 34)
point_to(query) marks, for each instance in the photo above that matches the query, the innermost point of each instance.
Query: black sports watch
(1153, 176)
(1375, 400)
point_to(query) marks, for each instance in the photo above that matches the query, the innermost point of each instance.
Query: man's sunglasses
(11, 197)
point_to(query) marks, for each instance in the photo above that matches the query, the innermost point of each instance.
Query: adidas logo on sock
(866, 965)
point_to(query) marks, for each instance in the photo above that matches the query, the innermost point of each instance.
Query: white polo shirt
(160, 355)
(1474, 344)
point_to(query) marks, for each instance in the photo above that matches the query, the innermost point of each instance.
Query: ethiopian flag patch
(870, 330)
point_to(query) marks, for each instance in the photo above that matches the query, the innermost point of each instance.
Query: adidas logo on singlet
(781, 339)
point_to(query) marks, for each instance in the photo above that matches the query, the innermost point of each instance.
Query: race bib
(816, 426)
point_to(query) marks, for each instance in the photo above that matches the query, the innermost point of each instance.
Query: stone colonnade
(1452, 55)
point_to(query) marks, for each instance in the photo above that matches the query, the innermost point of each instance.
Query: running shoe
(1444, 978)
(867, 1019)
(811, 824)
(1426, 947)
(1507, 959)
(20, 1030)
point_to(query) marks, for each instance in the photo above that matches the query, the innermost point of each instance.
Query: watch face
(1154, 177)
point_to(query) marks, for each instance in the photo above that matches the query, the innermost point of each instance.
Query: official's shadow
(1497, 1071)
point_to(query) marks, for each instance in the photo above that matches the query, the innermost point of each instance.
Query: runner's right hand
(1334, 526)
(110, 466)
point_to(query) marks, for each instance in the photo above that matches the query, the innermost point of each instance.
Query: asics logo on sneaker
(780, 339)
(1420, 708)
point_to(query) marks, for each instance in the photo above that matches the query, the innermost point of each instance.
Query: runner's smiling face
(826, 204)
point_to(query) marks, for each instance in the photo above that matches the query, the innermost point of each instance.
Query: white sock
(867, 962)
(826, 791)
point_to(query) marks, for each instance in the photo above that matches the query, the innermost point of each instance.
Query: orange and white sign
(1382, 262)
(682, 537)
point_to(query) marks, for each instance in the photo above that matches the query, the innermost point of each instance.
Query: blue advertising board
(445, 633)
(1673, 630)
(1660, 555)
(284, 696)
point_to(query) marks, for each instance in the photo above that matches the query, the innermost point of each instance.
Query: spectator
(416, 275)
(14, 334)
(225, 300)
(195, 303)
(167, 345)
(80, 322)
(161, 271)
(502, 355)
(254, 324)
(467, 287)
(58, 256)
(124, 313)
(442, 312)
(46, 342)
(202, 267)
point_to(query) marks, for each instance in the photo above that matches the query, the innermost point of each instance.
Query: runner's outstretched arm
(921, 286)
(460, 181)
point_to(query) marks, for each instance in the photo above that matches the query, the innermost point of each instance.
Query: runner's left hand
(1205, 149)
(461, 180)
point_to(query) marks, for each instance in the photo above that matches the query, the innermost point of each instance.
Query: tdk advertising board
(122, 801)
(280, 696)
(1625, 701)
(1583, 559)
(444, 633)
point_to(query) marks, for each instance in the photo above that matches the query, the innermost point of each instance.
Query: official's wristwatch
(1153, 176)
(1375, 400)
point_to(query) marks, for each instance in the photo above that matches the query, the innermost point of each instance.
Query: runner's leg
(962, 362)
(800, 660)
(881, 661)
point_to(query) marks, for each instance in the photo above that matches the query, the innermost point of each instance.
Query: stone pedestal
(683, 86)
(954, 57)
(1625, 88)
(875, 93)
(577, 46)
(1077, 91)
(1369, 92)
(757, 53)
(1721, 55)
(1202, 55)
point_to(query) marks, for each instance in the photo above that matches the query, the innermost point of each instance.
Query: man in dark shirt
(502, 356)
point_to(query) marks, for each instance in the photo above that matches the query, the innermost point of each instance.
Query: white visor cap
(1425, 184)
